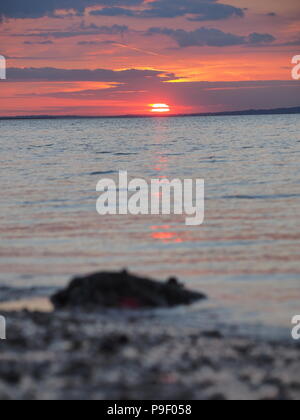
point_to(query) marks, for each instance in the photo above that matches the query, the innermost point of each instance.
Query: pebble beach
(131, 356)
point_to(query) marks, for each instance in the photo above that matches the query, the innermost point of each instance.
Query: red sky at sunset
(111, 57)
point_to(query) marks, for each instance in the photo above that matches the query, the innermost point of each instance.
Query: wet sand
(131, 356)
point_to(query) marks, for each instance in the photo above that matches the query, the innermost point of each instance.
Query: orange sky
(218, 55)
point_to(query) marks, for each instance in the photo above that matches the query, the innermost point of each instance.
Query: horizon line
(267, 111)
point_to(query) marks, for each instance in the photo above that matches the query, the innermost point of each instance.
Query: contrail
(136, 49)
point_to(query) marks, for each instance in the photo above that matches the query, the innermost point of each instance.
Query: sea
(246, 254)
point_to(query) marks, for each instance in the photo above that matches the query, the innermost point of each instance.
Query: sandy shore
(99, 356)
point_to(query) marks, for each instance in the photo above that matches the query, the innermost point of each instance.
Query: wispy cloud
(81, 30)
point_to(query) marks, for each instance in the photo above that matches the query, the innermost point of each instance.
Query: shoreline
(202, 315)
(207, 313)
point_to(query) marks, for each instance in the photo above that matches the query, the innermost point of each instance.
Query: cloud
(256, 38)
(108, 42)
(115, 11)
(51, 74)
(39, 8)
(38, 43)
(129, 88)
(81, 30)
(106, 30)
(200, 37)
(197, 10)
(210, 37)
(294, 43)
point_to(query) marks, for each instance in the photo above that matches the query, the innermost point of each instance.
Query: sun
(160, 108)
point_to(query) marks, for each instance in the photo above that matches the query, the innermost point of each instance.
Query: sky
(116, 57)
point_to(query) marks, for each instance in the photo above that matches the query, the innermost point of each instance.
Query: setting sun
(160, 108)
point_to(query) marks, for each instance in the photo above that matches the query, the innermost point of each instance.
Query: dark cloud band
(197, 10)
(39, 8)
(211, 37)
(99, 75)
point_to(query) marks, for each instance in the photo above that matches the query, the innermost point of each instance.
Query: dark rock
(122, 290)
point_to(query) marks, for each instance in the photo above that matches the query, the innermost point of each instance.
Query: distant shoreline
(277, 111)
